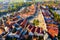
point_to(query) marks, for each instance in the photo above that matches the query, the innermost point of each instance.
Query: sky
(21, 0)
(10, 0)
(1, 0)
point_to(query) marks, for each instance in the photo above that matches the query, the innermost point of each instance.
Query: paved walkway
(41, 20)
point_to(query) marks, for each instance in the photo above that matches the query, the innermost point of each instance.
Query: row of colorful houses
(52, 28)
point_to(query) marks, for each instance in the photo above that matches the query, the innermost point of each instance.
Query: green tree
(36, 22)
(57, 17)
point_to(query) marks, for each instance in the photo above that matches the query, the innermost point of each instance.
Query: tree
(57, 17)
(36, 22)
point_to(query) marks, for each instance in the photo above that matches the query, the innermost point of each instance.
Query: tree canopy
(36, 22)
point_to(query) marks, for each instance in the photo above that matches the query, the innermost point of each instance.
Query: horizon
(25, 0)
